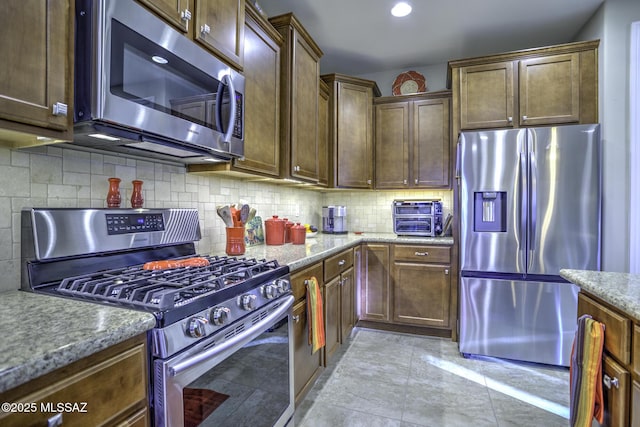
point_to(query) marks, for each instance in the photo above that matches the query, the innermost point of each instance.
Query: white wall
(612, 25)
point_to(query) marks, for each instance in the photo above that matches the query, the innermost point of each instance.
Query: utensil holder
(235, 241)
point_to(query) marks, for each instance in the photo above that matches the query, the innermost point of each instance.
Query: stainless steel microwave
(417, 217)
(143, 88)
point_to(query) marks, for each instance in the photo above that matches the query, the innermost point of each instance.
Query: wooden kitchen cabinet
(113, 383)
(339, 300)
(619, 372)
(299, 77)
(307, 366)
(323, 134)
(351, 131)
(422, 285)
(218, 25)
(412, 141)
(36, 72)
(375, 283)
(544, 86)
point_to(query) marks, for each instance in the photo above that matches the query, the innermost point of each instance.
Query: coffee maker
(334, 219)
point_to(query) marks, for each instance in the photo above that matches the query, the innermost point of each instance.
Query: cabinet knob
(342, 262)
(205, 29)
(404, 181)
(368, 182)
(608, 381)
(296, 168)
(185, 15)
(524, 118)
(510, 119)
(55, 421)
(416, 181)
(59, 109)
(446, 271)
(296, 318)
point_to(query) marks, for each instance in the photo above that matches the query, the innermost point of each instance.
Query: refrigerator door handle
(523, 206)
(533, 181)
(458, 161)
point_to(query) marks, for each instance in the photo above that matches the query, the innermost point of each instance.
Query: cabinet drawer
(617, 336)
(616, 396)
(636, 353)
(337, 264)
(425, 254)
(298, 280)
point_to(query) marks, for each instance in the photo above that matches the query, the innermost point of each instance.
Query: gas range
(101, 255)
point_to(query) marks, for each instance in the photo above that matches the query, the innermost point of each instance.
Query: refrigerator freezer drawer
(520, 320)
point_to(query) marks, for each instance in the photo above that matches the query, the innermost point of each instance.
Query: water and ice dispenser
(490, 211)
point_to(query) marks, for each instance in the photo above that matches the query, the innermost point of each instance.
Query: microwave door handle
(232, 102)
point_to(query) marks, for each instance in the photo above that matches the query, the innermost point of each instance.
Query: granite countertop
(324, 245)
(621, 290)
(42, 333)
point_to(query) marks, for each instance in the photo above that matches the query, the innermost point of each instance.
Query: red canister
(274, 231)
(298, 234)
(287, 230)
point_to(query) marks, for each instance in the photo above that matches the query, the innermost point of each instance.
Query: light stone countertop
(42, 333)
(324, 245)
(621, 290)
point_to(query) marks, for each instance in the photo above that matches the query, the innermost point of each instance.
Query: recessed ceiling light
(401, 9)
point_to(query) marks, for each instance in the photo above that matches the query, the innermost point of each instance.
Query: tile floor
(389, 379)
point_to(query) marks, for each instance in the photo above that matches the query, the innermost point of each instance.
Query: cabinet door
(635, 405)
(421, 294)
(219, 26)
(354, 151)
(307, 365)
(550, 89)
(375, 283)
(174, 12)
(262, 90)
(486, 96)
(616, 397)
(392, 145)
(323, 134)
(431, 143)
(304, 110)
(332, 327)
(36, 68)
(347, 303)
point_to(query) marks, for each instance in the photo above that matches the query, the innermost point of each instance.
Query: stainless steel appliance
(221, 352)
(417, 217)
(529, 206)
(144, 89)
(334, 219)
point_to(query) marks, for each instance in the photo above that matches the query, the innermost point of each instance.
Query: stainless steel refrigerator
(530, 204)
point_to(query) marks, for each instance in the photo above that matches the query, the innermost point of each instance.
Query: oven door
(418, 225)
(241, 376)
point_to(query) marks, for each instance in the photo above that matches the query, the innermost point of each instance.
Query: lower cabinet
(307, 365)
(407, 286)
(339, 300)
(621, 377)
(112, 383)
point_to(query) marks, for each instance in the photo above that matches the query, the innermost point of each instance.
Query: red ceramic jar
(298, 234)
(274, 231)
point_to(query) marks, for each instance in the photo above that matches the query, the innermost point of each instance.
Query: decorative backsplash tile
(56, 177)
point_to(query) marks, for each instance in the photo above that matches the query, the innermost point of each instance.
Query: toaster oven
(417, 217)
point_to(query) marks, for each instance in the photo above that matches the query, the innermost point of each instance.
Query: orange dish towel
(585, 374)
(315, 319)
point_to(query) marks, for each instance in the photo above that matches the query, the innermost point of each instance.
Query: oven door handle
(231, 345)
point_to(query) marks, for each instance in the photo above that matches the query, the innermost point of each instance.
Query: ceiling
(361, 37)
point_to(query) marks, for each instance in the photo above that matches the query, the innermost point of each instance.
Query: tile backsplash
(56, 177)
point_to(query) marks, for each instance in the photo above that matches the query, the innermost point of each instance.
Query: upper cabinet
(351, 131)
(216, 24)
(323, 135)
(36, 72)
(544, 86)
(299, 92)
(412, 141)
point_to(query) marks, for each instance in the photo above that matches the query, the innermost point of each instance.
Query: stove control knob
(247, 302)
(271, 291)
(195, 328)
(284, 285)
(219, 315)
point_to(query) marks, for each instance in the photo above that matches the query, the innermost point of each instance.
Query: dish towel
(314, 314)
(585, 373)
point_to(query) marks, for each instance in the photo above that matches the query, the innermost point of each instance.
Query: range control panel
(134, 223)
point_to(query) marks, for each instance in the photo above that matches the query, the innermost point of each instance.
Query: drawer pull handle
(55, 421)
(608, 382)
(342, 262)
(421, 254)
(296, 318)
(446, 271)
